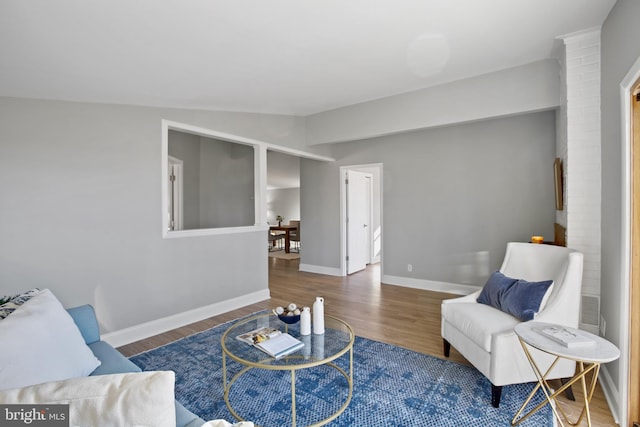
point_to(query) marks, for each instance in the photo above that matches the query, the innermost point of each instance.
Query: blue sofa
(113, 362)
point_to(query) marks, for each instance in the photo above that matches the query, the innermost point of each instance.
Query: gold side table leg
(542, 384)
(551, 395)
(587, 392)
(586, 397)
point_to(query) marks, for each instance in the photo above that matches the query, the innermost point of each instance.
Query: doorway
(361, 217)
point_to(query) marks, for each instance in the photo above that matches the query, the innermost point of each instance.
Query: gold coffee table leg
(293, 397)
(224, 372)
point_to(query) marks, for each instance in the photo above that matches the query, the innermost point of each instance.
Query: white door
(358, 190)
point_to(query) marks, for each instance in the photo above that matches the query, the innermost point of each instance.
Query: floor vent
(590, 310)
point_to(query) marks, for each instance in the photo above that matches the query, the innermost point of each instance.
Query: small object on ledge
(537, 239)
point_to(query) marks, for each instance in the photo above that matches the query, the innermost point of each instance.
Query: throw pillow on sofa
(131, 399)
(42, 343)
(8, 304)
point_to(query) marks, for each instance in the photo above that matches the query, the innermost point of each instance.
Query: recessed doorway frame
(378, 168)
(628, 359)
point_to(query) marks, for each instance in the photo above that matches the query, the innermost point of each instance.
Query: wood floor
(405, 317)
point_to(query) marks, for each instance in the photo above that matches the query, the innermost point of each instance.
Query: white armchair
(484, 335)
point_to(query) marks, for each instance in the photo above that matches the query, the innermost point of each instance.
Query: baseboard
(611, 393)
(158, 326)
(329, 271)
(429, 285)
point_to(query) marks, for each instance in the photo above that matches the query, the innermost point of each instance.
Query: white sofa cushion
(41, 343)
(131, 399)
(478, 322)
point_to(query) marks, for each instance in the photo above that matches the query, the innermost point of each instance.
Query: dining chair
(294, 235)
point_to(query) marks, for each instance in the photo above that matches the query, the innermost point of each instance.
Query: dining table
(287, 236)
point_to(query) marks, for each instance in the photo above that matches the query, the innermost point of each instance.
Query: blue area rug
(392, 387)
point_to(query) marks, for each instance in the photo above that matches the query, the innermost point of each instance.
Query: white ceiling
(275, 56)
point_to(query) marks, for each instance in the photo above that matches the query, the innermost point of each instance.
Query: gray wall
(495, 94)
(218, 181)
(285, 202)
(620, 49)
(81, 211)
(451, 196)
(226, 184)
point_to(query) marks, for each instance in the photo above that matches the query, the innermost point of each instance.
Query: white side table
(588, 358)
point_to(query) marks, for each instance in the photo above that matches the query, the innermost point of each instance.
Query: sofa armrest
(85, 319)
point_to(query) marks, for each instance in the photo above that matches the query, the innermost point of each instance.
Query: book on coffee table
(280, 345)
(259, 335)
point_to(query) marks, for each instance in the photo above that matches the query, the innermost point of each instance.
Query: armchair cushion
(478, 322)
(517, 297)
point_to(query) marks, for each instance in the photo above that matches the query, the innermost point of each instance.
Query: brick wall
(582, 160)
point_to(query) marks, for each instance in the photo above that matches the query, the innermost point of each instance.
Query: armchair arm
(472, 297)
(563, 306)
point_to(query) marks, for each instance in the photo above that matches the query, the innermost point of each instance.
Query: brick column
(582, 160)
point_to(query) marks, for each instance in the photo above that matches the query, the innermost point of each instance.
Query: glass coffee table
(318, 350)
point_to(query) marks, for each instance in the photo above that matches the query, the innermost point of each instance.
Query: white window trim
(260, 177)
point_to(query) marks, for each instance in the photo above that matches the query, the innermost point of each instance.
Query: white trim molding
(430, 285)
(158, 326)
(318, 269)
(260, 176)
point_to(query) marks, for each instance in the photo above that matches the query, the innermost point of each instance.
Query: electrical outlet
(603, 326)
(409, 267)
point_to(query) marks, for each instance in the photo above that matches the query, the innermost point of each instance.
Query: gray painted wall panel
(81, 213)
(452, 196)
(284, 202)
(501, 93)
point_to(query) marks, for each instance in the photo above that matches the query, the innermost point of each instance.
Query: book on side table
(566, 337)
(272, 341)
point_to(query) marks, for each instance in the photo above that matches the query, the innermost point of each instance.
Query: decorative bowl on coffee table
(295, 318)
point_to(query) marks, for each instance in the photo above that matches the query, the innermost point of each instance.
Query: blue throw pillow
(523, 299)
(495, 287)
(519, 298)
